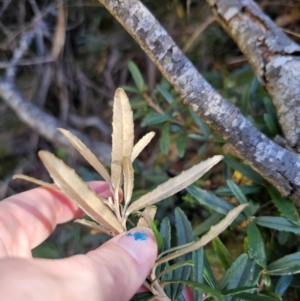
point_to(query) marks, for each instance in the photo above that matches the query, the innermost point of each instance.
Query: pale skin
(114, 271)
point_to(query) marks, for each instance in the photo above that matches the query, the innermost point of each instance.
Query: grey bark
(45, 124)
(276, 164)
(274, 57)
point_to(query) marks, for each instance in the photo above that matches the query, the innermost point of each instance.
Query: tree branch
(45, 124)
(278, 165)
(274, 57)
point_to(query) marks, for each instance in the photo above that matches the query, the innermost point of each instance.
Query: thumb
(123, 263)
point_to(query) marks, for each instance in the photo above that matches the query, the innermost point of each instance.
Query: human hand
(112, 272)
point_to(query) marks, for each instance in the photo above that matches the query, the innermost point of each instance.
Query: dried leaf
(128, 179)
(96, 227)
(72, 185)
(212, 233)
(87, 154)
(174, 185)
(141, 144)
(122, 136)
(35, 181)
(147, 216)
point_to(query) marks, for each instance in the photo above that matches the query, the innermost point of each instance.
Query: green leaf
(184, 233)
(206, 225)
(222, 253)
(271, 124)
(159, 238)
(201, 124)
(234, 272)
(155, 118)
(181, 143)
(238, 290)
(207, 273)
(164, 141)
(286, 265)
(197, 272)
(246, 189)
(209, 200)
(284, 205)
(283, 284)
(246, 170)
(277, 223)
(254, 297)
(256, 246)
(130, 89)
(137, 76)
(165, 232)
(146, 296)
(239, 195)
(165, 93)
(175, 266)
(200, 287)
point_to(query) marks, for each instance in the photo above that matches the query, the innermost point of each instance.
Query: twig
(276, 164)
(45, 124)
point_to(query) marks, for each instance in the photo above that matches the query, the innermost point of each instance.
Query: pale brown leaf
(174, 185)
(96, 227)
(147, 216)
(77, 190)
(205, 239)
(141, 144)
(35, 181)
(128, 179)
(87, 154)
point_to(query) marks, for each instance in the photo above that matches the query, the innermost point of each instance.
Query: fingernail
(139, 243)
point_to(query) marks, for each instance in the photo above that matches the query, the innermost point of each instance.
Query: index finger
(28, 218)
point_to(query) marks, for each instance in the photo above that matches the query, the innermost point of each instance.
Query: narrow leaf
(239, 195)
(201, 124)
(256, 246)
(174, 267)
(283, 284)
(205, 239)
(254, 297)
(146, 296)
(35, 181)
(164, 140)
(87, 154)
(141, 144)
(286, 265)
(128, 179)
(197, 272)
(181, 144)
(277, 223)
(222, 252)
(155, 118)
(284, 205)
(174, 185)
(205, 226)
(147, 216)
(210, 200)
(122, 136)
(158, 237)
(184, 234)
(198, 286)
(97, 227)
(234, 272)
(77, 190)
(137, 76)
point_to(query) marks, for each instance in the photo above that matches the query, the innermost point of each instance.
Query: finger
(28, 218)
(112, 272)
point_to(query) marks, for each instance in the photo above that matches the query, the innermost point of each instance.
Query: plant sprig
(110, 215)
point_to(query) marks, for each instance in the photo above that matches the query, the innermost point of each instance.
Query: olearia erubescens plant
(173, 267)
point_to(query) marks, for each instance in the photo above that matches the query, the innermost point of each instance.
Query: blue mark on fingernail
(138, 235)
